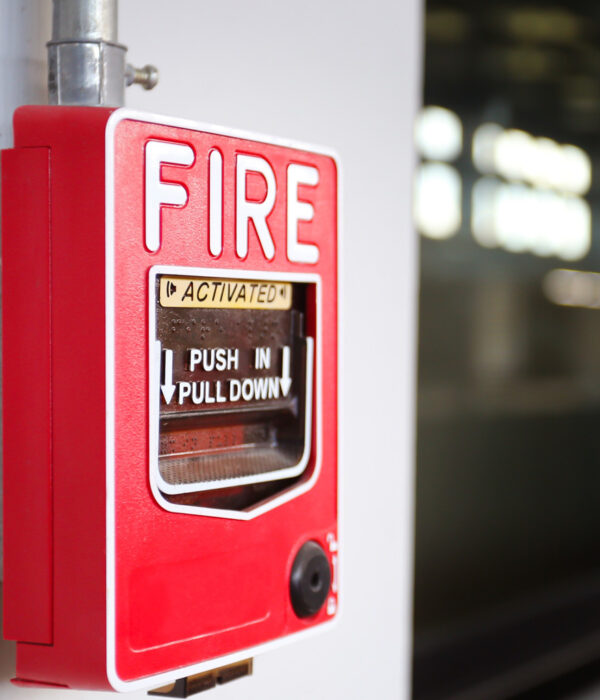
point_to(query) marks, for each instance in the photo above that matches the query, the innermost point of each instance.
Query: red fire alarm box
(170, 396)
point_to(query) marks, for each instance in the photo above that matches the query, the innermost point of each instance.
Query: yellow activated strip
(211, 293)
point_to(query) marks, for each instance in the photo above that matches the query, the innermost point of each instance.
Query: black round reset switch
(310, 579)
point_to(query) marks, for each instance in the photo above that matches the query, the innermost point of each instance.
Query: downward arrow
(286, 380)
(168, 388)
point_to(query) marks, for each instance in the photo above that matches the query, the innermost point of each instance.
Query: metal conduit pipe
(86, 62)
(93, 20)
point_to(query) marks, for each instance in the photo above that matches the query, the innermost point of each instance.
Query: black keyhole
(310, 579)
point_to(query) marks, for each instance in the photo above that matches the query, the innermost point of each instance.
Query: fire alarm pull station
(170, 398)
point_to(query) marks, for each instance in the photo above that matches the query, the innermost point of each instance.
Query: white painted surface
(24, 31)
(257, 211)
(215, 202)
(344, 75)
(157, 192)
(300, 211)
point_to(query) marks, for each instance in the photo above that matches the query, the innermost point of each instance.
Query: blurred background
(506, 201)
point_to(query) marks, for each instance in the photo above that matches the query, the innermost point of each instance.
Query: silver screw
(147, 76)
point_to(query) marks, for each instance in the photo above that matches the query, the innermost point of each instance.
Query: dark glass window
(508, 448)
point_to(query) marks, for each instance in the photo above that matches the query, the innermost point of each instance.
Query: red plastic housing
(104, 587)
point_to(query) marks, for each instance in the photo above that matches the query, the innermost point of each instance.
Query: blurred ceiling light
(572, 288)
(482, 149)
(516, 155)
(526, 63)
(544, 163)
(437, 207)
(511, 152)
(519, 219)
(543, 24)
(483, 203)
(438, 134)
(446, 25)
(576, 175)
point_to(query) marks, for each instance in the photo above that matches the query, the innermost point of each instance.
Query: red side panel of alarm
(26, 392)
(53, 402)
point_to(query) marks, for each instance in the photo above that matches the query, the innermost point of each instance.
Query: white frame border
(150, 682)
(157, 483)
